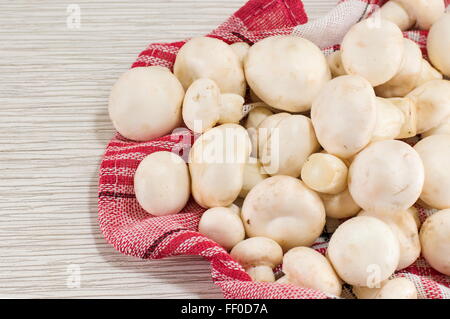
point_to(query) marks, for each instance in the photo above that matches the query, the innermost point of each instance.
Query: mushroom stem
(261, 273)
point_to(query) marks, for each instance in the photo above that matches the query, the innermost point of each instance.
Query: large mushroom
(387, 176)
(374, 50)
(211, 58)
(162, 183)
(435, 154)
(364, 251)
(283, 209)
(145, 103)
(344, 115)
(286, 72)
(438, 44)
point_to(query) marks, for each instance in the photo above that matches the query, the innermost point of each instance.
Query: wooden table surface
(54, 84)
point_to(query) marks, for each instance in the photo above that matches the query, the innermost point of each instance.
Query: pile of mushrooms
(289, 141)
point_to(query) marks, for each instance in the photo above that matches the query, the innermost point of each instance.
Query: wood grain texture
(54, 126)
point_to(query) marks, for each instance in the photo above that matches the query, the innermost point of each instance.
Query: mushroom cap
(267, 127)
(435, 154)
(395, 13)
(435, 240)
(425, 12)
(201, 105)
(390, 120)
(406, 78)
(344, 115)
(253, 174)
(241, 50)
(257, 116)
(374, 50)
(231, 108)
(409, 110)
(432, 100)
(145, 103)
(211, 58)
(340, 205)
(443, 128)
(162, 183)
(364, 251)
(307, 268)
(438, 44)
(387, 176)
(398, 288)
(286, 72)
(404, 227)
(222, 225)
(257, 251)
(288, 147)
(219, 155)
(325, 173)
(283, 209)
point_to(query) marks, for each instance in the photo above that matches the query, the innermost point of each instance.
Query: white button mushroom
(286, 72)
(162, 183)
(254, 119)
(404, 227)
(325, 173)
(305, 267)
(397, 288)
(438, 44)
(432, 100)
(340, 205)
(407, 13)
(390, 121)
(258, 256)
(443, 128)
(210, 58)
(223, 225)
(435, 154)
(405, 80)
(335, 64)
(204, 106)
(374, 50)
(435, 240)
(145, 103)
(216, 163)
(283, 209)
(241, 50)
(267, 127)
(428, 73)
(288, 146)
(344, 115)
(364, 251)
(387, 176)
(253, 174)
(409, 110)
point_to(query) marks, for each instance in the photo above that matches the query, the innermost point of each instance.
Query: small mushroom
(254, 119)
(405, 80)
(335, 64)
(216, 163)
(204, 106)
(438, 44)
(387, 176)
(435, 240)
(364, 251)
(435, 154)
(211, 58)
(253, 174)
(241, 50)
(145, 103)
(404, 227)
(340, 205)
(258, 256)
(223, 225)
(374, 50)
(432, 100)
(390, 121)
(325, 173)
(397, 288)
(443, 128)
(162, 183)
(305, 267)
(286, 72)
(407, 13)
(344, 115)
(283, 209)
(266, 128)
(409, 110)
(288, 146)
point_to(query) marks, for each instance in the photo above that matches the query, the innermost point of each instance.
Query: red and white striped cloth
(134, 232)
